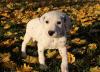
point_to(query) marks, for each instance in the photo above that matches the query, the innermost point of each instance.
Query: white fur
(37, 30)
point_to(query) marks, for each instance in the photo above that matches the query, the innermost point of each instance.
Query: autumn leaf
(10, 5)
(5, 15)
(8, 33)
(7, 26)
(78, 41)
(95, 69)
(7, 42)
(10, 65)
(50, 53)
(26, 68)
(5, 57)
(92, 46)
(31, 59)
(74, 30)
(16, 49)
(46, 9)
(70, 56)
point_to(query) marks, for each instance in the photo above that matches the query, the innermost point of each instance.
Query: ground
(84, 40)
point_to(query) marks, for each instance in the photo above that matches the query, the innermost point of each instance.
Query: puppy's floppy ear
(67, 23)
(42, 18)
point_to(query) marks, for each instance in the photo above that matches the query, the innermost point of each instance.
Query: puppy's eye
(47, 22)
(59, 22)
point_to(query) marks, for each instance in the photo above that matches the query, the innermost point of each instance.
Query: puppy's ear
(67, 23)
(42, 18)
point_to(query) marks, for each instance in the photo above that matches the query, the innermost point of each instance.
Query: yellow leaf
(9, 33)
(95, 69)
(46, 9)
(5, 57)
(78, 41)
(25, 20)
(92, 46)
(97, 12)
(21, 37)
(97, 6)
(7, 26)
(50, 53)
(74, 30)
(31, 59)
(85, 24)
(26, 68)
(5, 15)
(8, 42)
(39, 9)
(10, 5)
(71, 57)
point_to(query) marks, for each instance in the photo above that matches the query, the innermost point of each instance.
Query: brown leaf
(5, 57)
(7, 26)
(26, 68)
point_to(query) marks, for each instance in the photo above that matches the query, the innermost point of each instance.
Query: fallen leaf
(7, 26)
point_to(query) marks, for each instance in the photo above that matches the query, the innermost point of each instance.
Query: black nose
(51, 33)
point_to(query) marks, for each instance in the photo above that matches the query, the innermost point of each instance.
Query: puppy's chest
(55, 43)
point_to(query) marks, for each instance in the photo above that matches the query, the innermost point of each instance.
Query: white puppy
(50, 32)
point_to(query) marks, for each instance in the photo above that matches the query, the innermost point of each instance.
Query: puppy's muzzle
(51, 32)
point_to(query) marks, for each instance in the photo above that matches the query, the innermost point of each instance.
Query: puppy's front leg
(64, 64)
(24, 43)
(41, 57)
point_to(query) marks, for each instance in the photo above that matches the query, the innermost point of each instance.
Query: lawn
(84, 40)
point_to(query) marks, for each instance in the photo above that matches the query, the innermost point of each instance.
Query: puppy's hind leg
(27, 37)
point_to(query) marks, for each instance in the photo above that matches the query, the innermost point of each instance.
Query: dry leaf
(74, 30)
(31, 59)
(10, 5)
(50, 53)
(7, 26)
(95, 69)
(71, 57)
(92, 46)
(5, 15)
(8, 42)
(8, 33)
(5, 57)
(9, 64)
(26, 68)
(16, 49)
(78, 41)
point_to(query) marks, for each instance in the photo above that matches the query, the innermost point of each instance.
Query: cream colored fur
(37, 30)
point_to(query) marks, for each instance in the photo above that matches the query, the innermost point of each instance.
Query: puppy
(50, 32)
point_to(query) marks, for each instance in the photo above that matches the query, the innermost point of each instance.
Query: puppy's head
(55, 23)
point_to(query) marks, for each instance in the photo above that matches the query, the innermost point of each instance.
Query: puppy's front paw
(23, 55)
(43, 67)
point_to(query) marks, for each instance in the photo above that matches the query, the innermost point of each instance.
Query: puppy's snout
(51, 33)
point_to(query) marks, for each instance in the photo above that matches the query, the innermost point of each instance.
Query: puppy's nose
(51, 33)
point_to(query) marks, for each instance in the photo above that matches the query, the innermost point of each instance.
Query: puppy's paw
(43, 67)
(23, 55)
